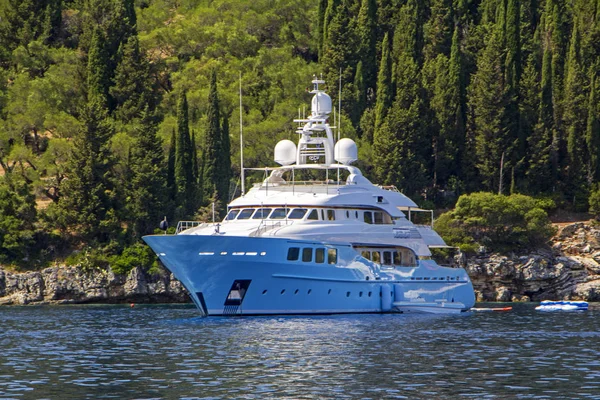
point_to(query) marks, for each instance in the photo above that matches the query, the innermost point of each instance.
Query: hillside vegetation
(117, 113)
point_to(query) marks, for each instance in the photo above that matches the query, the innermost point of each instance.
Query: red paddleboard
(492, 309)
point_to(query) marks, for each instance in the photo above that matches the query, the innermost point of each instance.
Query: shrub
(497, 222)
(137, 255)
(594, 202)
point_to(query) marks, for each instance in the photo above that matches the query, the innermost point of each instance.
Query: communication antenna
(340, 106)
(241, 141)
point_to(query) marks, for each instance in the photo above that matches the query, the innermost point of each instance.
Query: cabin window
(387, 258)
(397, 258)
(323, 214)
(232, 214)
(314, 215)
(332, 256)
(378, 217)
(245, 214)
(261, 213)
(307, 254)
(368, 217)
(347, 214)
(356, 214)
(331, 215)
(297, 213)
(320, 255)
(279, 213)
(375, 256)
(366, 254)
(293, 253)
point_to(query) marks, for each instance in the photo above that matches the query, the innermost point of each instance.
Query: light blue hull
(228, 275)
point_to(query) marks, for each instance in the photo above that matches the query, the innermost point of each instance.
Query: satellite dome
(345, 151)
(321, 104)
(285, 152)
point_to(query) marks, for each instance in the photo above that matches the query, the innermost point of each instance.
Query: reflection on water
(168, 352)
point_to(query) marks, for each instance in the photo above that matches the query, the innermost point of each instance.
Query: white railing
(184, 225)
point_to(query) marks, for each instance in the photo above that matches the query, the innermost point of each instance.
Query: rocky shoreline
(568, 270)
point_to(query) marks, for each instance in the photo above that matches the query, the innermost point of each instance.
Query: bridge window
(397, 258)
(293, 253)
(307, 254)
(332, 256)
(297, 213)
(378, 217)
(375, 256)
(232, 214)
(261, 213)
(320, 255)
(366, 254)
(368, 217)
(314, 215)
(279, 213)
(245, 213)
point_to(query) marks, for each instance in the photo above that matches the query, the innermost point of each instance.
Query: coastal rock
(68, 284)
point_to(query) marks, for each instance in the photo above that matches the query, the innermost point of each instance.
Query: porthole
(283, 291)
(265, 291)
(309, 291)
(329, 291)
(296, 292)
(370, 294)
(347, 294)
(360, 294)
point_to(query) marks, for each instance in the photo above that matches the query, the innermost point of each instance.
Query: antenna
(340, 107)
(241, 140)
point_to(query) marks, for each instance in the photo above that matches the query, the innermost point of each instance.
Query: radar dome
(345, 151)
(321, 104)
(285, 152)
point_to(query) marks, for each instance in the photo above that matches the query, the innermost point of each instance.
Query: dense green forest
(117, 113)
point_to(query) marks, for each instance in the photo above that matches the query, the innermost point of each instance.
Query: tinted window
(366, 254)
(232, 214)
(368, 217)
(397, 258)
(297, 213)
(332, 256)
(331, 215)
(320, 255)
(245, 214)
(261, 213)
(307, 254)
(314, 214)
(293, 253)
(387, 257)
(375, 256)
(378, 217)
(279, 213)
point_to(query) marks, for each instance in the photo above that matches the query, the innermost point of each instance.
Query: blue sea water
(107, 352)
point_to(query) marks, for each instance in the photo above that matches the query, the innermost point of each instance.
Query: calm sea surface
(98, 352)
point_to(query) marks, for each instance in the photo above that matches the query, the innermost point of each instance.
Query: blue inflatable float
(548, 305)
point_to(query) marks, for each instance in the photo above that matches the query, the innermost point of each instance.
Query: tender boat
(548, 305)
(314, 237)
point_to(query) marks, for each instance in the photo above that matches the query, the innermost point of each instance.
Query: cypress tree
(439, 29)
(212, 145)
(148, 196)
(184, 182)
(320, 25)
(457, 102)
(367, 39)
(226, 160)
(592, 135)
(98, 80)
(574, 117)
(541, 173)
(487, 101)
(171, 188)
(384, 83)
